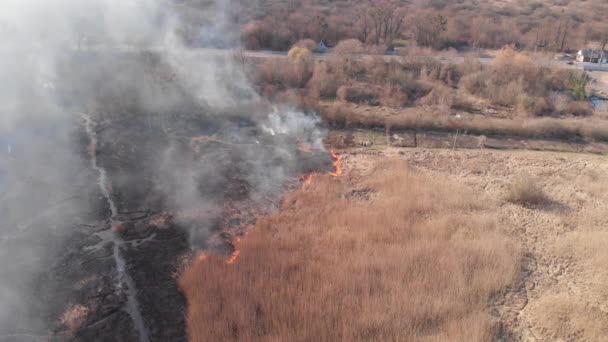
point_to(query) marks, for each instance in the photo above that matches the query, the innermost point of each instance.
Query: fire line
(337, 163)
(235, 254)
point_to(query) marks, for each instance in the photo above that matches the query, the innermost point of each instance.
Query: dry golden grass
(525, 190)
(396, 256)
(341, 114)
(565, 319)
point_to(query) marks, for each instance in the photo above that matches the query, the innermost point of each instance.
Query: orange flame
(307, 180)
(337, 164)
(234, 254)
(201, 257)
(233, 257)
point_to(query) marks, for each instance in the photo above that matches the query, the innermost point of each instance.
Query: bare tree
(597, 33)
(428, 29)
(383, 20)
(363, 24)
(551, 35)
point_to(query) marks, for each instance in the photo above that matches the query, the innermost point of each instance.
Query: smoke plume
(180, 130)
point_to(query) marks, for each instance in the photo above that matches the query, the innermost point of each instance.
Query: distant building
(321, 48)
(592, 56)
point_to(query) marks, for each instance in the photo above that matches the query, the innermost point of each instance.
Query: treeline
(551, 25)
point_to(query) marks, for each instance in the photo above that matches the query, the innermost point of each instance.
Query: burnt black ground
(144, 119)
(134, 154)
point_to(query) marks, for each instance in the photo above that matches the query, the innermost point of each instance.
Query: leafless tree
(382, 21)
(364, 25)
(428, 29)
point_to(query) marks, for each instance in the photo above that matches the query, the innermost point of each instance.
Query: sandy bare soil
(562, 292)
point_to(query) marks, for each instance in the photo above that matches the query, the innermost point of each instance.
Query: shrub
(298, 73)
(326, 80)
(359, 93)
(393, 97)
(349, 46)
(524, 190)
(534, 106)
(298, 53)
(375, 69)
(474, 83)
(286, 73)
(441, 95)
(596, 130)
(579, 86)
(579, 108)
(464, 102)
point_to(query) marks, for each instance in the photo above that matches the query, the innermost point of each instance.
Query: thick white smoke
(116, 60)
(45, 188)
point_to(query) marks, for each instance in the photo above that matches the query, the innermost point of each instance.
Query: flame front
(201, 257)
(233, 257)
(307, 180)
(234, 254)
(337, 163)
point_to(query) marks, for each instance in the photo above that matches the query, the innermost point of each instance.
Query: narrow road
(266, 54)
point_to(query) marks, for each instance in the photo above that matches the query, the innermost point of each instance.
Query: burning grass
(418, 260)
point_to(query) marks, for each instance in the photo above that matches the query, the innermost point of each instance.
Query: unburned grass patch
(525, 190)
(418, 260)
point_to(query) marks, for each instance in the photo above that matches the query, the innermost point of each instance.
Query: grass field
(389, 255)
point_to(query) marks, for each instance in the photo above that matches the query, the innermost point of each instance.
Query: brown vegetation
(512, 81)
(525, 190)
(561, 295)
(393, 256)
(512, 96)
(346, 115)
(550, 25)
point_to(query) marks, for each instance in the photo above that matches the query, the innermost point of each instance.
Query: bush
(359, 93)
(286, 73)
(579, 86)
(393, 97)
(464, 102)
(326, 80)
(534, 106)
(579, 108)
(298, 53)
(375, 69)
(441, 95)
(525, 191)
(349, 46)
(596, 130)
